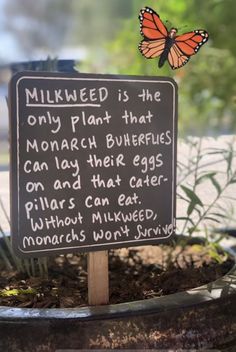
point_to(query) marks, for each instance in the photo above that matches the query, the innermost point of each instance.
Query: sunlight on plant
(17, 292)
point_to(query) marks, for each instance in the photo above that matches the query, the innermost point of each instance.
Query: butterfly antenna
(183, 27)
(169, 23)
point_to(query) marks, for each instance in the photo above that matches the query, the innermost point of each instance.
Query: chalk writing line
(62, 105)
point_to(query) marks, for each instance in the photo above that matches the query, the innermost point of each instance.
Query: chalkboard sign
(93, 161)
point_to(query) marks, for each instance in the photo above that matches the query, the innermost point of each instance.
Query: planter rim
(225, 286)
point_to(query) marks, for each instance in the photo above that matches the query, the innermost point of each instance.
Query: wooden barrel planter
(203, 317)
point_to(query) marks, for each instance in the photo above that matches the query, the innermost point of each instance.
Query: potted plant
(201, 317)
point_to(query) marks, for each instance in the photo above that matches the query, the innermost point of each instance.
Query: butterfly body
(159, 42)
(170, 39)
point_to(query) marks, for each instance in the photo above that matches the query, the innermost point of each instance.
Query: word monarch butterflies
(159, 42)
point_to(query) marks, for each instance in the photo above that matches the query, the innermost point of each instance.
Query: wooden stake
(98, 278)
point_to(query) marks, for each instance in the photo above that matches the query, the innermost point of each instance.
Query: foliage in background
(204, 189)
(207, 84)
(109, 30)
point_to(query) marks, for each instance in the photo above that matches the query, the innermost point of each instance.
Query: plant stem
(5, 259)
(14, 259)
(196, 168)
(213, 202)
(4, 211)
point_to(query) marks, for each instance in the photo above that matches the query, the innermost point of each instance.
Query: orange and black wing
(151, 26)
(185, 46)
(152, 49)
(154, 32)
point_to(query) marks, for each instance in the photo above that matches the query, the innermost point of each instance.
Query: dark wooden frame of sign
(161, 199)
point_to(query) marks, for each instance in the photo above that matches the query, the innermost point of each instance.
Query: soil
(135, 274)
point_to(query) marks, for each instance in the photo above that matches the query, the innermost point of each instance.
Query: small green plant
(17, 292)
(205, 178)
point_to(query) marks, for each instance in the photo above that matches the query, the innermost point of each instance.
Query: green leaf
(191, 208)
(204, 177)
(220, 215)
(216, 185)
(194, 199)
(212, 219)
(192, 195)
(17, 292)
(214, 255)
(229, 159)
(210, 176)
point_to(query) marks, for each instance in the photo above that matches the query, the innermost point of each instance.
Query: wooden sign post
(93, 165)
(98, 280)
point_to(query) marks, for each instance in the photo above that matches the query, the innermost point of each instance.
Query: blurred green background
(104, 35)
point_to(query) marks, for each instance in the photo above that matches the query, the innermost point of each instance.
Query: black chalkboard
(93, 161)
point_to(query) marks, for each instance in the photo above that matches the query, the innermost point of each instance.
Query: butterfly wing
(185, 46)
(151, 26)
(154, 32)
(176, 57)
(151, 49)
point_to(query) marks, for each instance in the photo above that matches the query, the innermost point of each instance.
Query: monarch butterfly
(158, 41)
